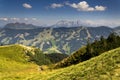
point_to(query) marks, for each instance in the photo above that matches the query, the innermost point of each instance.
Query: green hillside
(103, 67)
(17, 57)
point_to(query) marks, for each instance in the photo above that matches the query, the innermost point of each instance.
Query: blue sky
(95, 12)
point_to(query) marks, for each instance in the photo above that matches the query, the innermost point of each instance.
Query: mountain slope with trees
(91, 50)
(103, 67)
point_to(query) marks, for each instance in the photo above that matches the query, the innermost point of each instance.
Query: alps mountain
(49, 39)
(18, 25)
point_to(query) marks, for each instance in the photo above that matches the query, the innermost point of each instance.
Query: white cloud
(84, 6)
(28, 6)
(34, 19)
(100, 8)
(54, 5)
(96, 23)
(4, 19)
(15, 19)
(26, 19)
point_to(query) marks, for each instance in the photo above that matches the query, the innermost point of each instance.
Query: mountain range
(66, 23)
(59, 38)
(18, 25)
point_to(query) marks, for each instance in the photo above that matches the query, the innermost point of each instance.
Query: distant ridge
(18, 25)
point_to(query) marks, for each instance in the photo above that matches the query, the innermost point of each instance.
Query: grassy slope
(11, 57)
(103, 67)
(13, 60)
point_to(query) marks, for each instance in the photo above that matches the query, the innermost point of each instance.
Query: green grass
(13, 58)
(13, 52)
(103, 67)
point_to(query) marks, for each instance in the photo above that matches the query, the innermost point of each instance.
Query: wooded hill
(91, 50)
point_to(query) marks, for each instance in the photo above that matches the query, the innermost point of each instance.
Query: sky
(48, 12)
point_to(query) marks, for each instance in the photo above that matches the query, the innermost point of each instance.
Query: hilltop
(15, 57)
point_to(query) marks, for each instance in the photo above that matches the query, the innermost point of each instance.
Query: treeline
(91, 50)
(103, 45)
(45, 59)
(56, 57)
(1, 44)
(38, 57)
